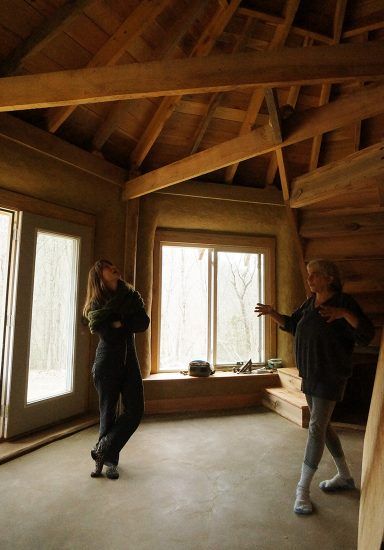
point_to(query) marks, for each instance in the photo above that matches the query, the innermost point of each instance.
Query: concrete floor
(218, 482)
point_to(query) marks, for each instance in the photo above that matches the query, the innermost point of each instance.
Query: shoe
(112, 472)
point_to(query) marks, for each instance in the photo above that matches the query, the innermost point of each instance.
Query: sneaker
(112, 472)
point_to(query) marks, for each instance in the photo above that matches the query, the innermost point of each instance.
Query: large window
(208, 287)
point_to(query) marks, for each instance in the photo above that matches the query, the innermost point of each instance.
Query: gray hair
(329, 269)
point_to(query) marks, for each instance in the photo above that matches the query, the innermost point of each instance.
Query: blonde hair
(329, 269)
(97, 292)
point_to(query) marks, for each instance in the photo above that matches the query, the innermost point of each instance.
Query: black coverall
(116, 372)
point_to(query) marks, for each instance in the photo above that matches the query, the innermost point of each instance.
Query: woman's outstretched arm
(265, 309)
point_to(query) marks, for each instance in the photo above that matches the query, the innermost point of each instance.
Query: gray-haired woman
(326, 328)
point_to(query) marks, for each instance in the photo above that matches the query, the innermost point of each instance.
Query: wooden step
(289, 403)
(289, 378)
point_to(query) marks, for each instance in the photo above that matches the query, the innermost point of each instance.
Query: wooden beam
(293, 95)
(326, 88)
(371, 513)
(313, 226)
(284, 67)
(274, 113)
(41, 36)
(300, 126)
(29, 136)
(278, 40)
(370, 246)
(338, 177)
(218, 191)
(174, 35)
(26, 203)
(202, 48)
(218, 96)
(278, 20)
(113, 49)
(299, 243)
(130, 244)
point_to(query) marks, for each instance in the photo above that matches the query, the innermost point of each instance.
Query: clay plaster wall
(174, 212)
(26, 171)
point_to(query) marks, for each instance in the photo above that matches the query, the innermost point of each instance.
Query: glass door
(48, 378)
(6, 232)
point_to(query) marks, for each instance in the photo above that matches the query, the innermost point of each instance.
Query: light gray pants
(320, 432)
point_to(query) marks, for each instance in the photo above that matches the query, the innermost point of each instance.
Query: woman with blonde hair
(326, 328)
(115, 311)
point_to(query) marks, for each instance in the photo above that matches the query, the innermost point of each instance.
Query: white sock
(303, 503)
(342, 467)
(307, 474)
(337, 483)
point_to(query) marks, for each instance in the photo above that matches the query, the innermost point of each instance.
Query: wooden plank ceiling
(268, 94)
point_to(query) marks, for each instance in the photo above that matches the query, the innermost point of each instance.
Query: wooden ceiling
(151, 130)
(284, 96)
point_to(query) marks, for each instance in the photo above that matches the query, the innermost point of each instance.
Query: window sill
(218, 374)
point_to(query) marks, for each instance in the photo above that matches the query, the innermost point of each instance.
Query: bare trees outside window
(207, 300)
(51, 353)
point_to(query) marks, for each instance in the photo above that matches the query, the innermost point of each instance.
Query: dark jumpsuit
(116, 372)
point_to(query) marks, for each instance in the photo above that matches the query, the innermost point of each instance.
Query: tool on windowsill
(244, 369)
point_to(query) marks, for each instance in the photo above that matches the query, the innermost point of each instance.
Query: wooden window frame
(239, 242)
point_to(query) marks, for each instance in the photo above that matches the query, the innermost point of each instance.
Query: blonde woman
(115, 311)
(326, 328)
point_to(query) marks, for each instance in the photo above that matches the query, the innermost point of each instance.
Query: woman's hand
(117, 324)
(332, 313)
(263, 309)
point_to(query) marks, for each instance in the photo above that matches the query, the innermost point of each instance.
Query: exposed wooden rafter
(202, 48)
(217, 98)
(326, 88)
(174, 35)
(278, 40)
(288, 66)
(338, 177)
(300, 126)
(113, 49)
(41, 36)
(276, 123)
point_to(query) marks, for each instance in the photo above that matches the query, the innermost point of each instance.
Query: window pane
(184, 306)
(5, 238)
(53, 316)
(240, 333)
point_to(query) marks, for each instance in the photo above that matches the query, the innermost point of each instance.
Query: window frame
(224, 242)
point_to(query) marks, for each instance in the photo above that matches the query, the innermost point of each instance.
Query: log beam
(338, 177)
(364, 103)
(287, 66)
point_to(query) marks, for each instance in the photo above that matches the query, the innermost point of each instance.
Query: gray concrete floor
(217, 482)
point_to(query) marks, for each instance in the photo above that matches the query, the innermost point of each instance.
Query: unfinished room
(192, 274)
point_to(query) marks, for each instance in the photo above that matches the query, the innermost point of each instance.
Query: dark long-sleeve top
(117, 345)
(324, 350)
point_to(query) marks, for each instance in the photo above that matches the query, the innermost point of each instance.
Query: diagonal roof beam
(278, 40)
(338, 177)
(202, 48)
(284, 67)
(113, 49)
(364, 103)
(41, 36)
(174, 35)
(326, 88)
(217, 98)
